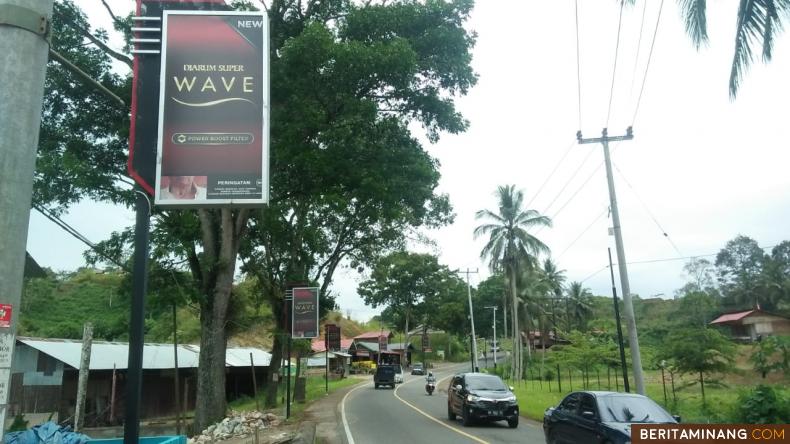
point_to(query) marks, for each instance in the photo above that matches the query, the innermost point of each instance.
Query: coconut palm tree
(580, 300)
(510, 247)
(554, 279)
(759, 22)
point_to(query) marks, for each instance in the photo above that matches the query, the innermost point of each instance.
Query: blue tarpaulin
(47, 433)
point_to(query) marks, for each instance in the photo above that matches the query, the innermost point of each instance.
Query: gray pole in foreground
(23, 63)
(82, 379)
(493, 307)
(472, 320)
(633, 340)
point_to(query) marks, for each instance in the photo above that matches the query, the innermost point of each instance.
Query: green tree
(510, 247)
(410, 284)
(699, 351)
(771, 354)
(580, 305)
(776, 279)
(699, 274)
(739, 266)
(758, 24)
(347, 81)
(696, 308)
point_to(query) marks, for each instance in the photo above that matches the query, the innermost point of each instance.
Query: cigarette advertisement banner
(213, 142)
(332, 337)
(304, 313)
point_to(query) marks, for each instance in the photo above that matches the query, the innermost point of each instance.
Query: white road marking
(349, 438)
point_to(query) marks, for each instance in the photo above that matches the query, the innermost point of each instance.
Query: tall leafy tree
(739, 267)
(758, 24)
(510, 246)
(410, 284)
(776, 279)
(347, 81)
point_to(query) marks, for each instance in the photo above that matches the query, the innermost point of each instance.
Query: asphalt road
(408, 415)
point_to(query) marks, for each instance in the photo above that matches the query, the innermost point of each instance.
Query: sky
(701, 168)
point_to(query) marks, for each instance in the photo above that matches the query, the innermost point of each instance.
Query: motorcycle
(430, 386)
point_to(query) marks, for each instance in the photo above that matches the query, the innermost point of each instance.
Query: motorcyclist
(430, 378)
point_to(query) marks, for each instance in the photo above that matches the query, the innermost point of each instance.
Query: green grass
(314, 390)
(720, 401)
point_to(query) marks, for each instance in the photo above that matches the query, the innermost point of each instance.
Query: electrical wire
(73, 231)
(650, 213)
(647, 67)
(605, 210)
(669, 259)
(568, 182)
(614, 68)
(581, 187)
(638, 48)
(578, 64)
(567, 151)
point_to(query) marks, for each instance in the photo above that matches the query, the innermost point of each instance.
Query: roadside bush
(763, 405)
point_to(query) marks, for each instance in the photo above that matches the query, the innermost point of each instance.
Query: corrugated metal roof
(155, 356)
(730, 317)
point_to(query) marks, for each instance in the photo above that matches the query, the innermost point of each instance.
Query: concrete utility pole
(82, 379)
(494, 307)
(472, 319)
(24, 30)
(633, 339)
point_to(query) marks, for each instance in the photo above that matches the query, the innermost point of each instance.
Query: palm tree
(580, 300)
(554, 279)
(759, 22)
(510, 245)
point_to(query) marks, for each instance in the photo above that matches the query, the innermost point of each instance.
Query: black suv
(481, 396)
(385, 375)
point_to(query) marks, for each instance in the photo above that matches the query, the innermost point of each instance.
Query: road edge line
(349, 438)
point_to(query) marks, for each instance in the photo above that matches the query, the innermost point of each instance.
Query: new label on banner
(332, 337)
(304, 313)
(213, 143)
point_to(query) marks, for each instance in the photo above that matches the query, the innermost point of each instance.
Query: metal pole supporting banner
(24, 29)
(131, 426)
(175, 372)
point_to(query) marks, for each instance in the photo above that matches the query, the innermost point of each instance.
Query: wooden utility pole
(633, 340)
(82, 382)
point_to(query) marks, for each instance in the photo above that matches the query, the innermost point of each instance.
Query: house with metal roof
(44, 377)
(750, 324)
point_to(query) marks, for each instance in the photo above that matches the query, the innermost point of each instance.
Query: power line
(568, 182)
(567, 151)
(73, 231)
(605, 210)
(578, 64)
(578, 190)
(669, 259)
(614, 68)
(647, 68)
(650, 213)
(638, 48)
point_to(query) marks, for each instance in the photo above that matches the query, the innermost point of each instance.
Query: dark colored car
(600, 417)
(417, 370)
(480, 396)
(385, 375)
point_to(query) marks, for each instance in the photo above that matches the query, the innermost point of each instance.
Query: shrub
(763, 405)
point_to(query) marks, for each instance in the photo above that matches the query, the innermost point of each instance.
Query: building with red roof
(751, 324)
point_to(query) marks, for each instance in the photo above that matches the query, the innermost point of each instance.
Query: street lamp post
(494, 307)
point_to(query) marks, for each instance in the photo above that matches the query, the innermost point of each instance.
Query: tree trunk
(221, 231)
(274, 371)
(516, 360)
(702, 388)
(211, 401)
(504, 314)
